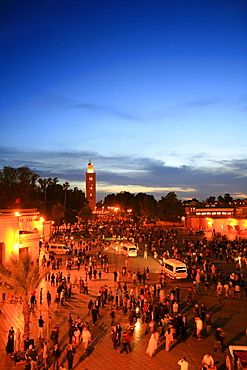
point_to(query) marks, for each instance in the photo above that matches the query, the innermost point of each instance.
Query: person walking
(169, 339)
(153, 343)
(45, 353)
(208, 324)
(48, 297)
(219, 339)
(55, 356)
(125, 343)
(219, 289)
(199, 327)
(86, 338)
(70, 355)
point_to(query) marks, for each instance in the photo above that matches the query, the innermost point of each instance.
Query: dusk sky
(153, 92)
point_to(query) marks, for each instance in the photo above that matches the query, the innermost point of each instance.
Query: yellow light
(17, 214)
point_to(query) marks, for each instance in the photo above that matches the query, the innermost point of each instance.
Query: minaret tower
(91, 186)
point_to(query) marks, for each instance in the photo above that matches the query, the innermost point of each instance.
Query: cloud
(131, 173)
(203, 102)
(70, 104)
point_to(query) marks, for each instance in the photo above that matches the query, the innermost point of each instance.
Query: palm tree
(22, 276)
(43, 184)
(58, 212)
(85, 214)
(65, 187)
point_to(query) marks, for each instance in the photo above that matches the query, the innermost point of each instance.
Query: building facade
(228, 220)
(91, 186)
(21, 232)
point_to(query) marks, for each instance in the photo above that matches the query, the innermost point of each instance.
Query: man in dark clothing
(41, 327)
(33, 355)
(70, 355)
(48, 295)
(55, 356)
(219, 339)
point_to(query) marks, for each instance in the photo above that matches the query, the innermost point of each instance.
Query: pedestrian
(219, 289)
(55, 334)
(33, 356)
(55, 356)
(207, 362)
(32, 300)
(208, 323)
(86, 337)
(77, 336)
(203, 312)
(45, 353)
(125, 343)
(169, 339)
(70, 355)
(184, 327)
(48, 297)
(41, 296)
(184, 365)
(10, 342)
(219, 339)
(153, 343)
(41, 324)
(18, 340)
(94, 313)
(199, 327)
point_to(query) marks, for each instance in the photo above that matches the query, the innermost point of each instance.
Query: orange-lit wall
(9, 235)
(10, 225)
(220, 225)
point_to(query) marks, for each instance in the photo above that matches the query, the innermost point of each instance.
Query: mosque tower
(91, 186)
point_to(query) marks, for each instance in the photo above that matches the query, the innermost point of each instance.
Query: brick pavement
(231, 315)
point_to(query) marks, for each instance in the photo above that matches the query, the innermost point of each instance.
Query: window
(168, 267)
(180, 270)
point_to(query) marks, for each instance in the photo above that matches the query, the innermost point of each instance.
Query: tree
(228, 199)
(18, 183)
(43, 184)
(145, 206)
(65, 187)
(210, 200)
(58, 212)
(85, 214)
(22, 276)
(171, 209)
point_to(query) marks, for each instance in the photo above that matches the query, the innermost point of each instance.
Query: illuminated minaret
(91, 186)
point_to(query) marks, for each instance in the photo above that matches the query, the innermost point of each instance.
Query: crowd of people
(163, 310)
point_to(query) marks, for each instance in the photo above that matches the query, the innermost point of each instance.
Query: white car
(236, 358)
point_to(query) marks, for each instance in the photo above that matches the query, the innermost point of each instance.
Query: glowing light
(17, 214)
(232, 222)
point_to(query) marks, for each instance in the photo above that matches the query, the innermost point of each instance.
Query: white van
(174, 269)
(129, 250)
(59, 248)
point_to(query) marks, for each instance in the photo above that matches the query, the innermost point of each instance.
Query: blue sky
(154, 92)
